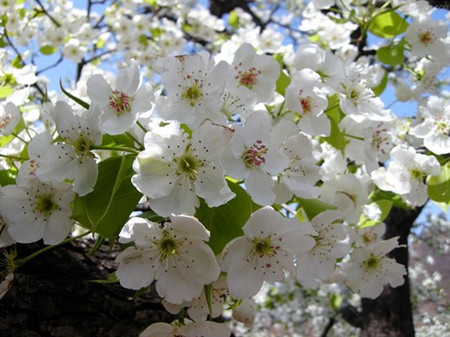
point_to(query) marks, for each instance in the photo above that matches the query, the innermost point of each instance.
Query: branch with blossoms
(246, 165)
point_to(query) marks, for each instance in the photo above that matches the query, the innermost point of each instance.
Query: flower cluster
(252, 163)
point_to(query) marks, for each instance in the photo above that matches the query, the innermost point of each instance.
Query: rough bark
(52, 296)
(390, 315)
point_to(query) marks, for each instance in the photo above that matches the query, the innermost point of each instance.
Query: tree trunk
(390, 315)
(52, 296)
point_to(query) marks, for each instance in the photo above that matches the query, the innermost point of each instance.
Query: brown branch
(57, 24)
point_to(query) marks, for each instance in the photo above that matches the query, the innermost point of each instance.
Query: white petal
(260, 187)
(128, 78)
(136, 270)
(212, 186)
(98, 90)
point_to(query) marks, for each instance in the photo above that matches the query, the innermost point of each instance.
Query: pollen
(120, 102)
(168, 246)
(426, 37)
(372, 262)
(263, 247)
(46, 205)
(306, 104)
(4, 123)
(193, 93)
(254, 156)
(249, 78)
(188, 165)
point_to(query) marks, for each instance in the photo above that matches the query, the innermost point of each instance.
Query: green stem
(19, 138)
(135, 140)
(142, 127)
(331, 107)
(12, 157)
(21, 262)
(354, 137)
(114, 148)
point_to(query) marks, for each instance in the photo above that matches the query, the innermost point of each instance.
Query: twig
(57, 24)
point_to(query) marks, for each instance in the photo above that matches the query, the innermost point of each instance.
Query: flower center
(120, 102)
(263, 247)
(369, 237)
(249, 78)
(417, 174)
(441, 126)
(82, 145)
(46, 205)
(254, 156)
(426, 37)
(4, 123)
(167, 246)
(193, 94)
(306, 104)
(188, 165)
(372, 262)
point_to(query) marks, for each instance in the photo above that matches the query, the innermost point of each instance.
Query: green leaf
(233, 20)
(106, 209)
(5, 91)
(439, 186)
(48, 50)
(143, 40)
(391, 55)
(387, 24)
(336, 137)
(335, 301)
(5, 140)
(282, 83)
(72, 97)
(17, 63)
(151, 216)
(333, 110)
(118, 140)
(385, 206)
(313, 207)
(378, 90)
(6, 178)
(225, 222)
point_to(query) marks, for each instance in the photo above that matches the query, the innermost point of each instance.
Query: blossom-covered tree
(219, 149)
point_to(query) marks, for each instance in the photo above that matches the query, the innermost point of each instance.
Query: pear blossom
(425, 36)
(173, 253)
(192, 329)
(25, 75)
(173, 170)
(194, 89)
(434, 128)
(367, 142)
(253, 73)
(254, 154)
(264, 252)
(331, 243)
(302, 172)
(72, 159)
(245, 312)
(369, 235)
(5, 238)
(304, 96)
(122, 105)
(198, 308)
(358, 100)
(370, 269)
(406, 174)
(9, 118)
(74, 50)
(37, 211)
(349, 193)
